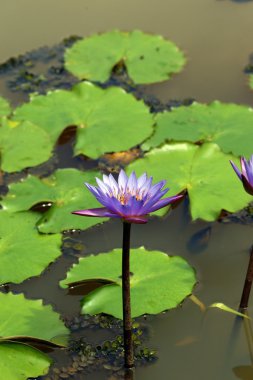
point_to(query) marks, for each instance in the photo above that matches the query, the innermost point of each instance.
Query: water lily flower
(246, 175)
(129, 198)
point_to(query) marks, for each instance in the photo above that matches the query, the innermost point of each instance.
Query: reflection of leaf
(65, 189)
(228, 125)
(107, 120)
(148, 58)
(200, 240)
(23, 145)
(244, 372)
(203, 170)
(251, 81)
(19, 361)
(159, 282)
(5, 108)
(23, 251)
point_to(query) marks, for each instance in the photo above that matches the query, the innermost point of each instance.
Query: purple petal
(92, 189)
(165, 202)
(105, 188)
(136, 219)
(106, 180)
(236, 170)
(98, 212)
(146, 186)
(152, 201)
(141, 180)
(247, 186)
(155, 188)
(132, 183)
(113, 184)
(122, 180)
(248, 174)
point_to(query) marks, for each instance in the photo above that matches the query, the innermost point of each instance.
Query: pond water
(215, 35)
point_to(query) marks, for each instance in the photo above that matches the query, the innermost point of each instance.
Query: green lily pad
(5, 108)
(22, 317)
(204, 171)
(23, 145)
(65, 189)
(107, 120)
(23, 251)
(148, 58)
(19, 361)
(159, 282)
(228, 125)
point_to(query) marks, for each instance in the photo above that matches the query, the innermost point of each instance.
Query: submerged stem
(247, 283)
(127, 322)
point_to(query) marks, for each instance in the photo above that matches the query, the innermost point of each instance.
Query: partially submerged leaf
(228, 125)
(65, 190)
(148, 58)
(19, 361)
(107, 121)
(23, 251)
(221, 306)
(203, 170)
(158, 282)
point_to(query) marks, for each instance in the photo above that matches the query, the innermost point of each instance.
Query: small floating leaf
(23, 251)
(203, 170)
(23, 145)
(116, 117)
(223, 307)
(5, 108)
(65, 190)
(228, 125)
(148, 58)
(159, 282)
(19, 361)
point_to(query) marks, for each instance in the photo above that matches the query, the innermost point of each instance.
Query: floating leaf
(23, 251)
(19, 361)
(159, 282)
(107, 120)
(203, 170)
(228, 125)
(148, 58)
(23, 145)
(65, 189)
(22, 317)
(5, 108)
(223, 307)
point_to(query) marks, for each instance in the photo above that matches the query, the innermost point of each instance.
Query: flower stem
(127, 322)
(247, 283)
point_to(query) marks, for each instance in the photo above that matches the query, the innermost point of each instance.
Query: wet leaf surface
(159, 282)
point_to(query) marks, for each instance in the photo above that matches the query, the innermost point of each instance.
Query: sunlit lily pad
(148, 58)
(107, 120)
(23, 145)
(159, 282)
(23, 251)
(65, 189)
(228, 125)
(19, 361)
(5, 108)
(204, 171)
(22, 317)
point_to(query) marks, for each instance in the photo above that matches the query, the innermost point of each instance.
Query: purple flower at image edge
(246, 173)
(129, 198)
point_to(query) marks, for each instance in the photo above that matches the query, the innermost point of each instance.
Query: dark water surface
(217, 39)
